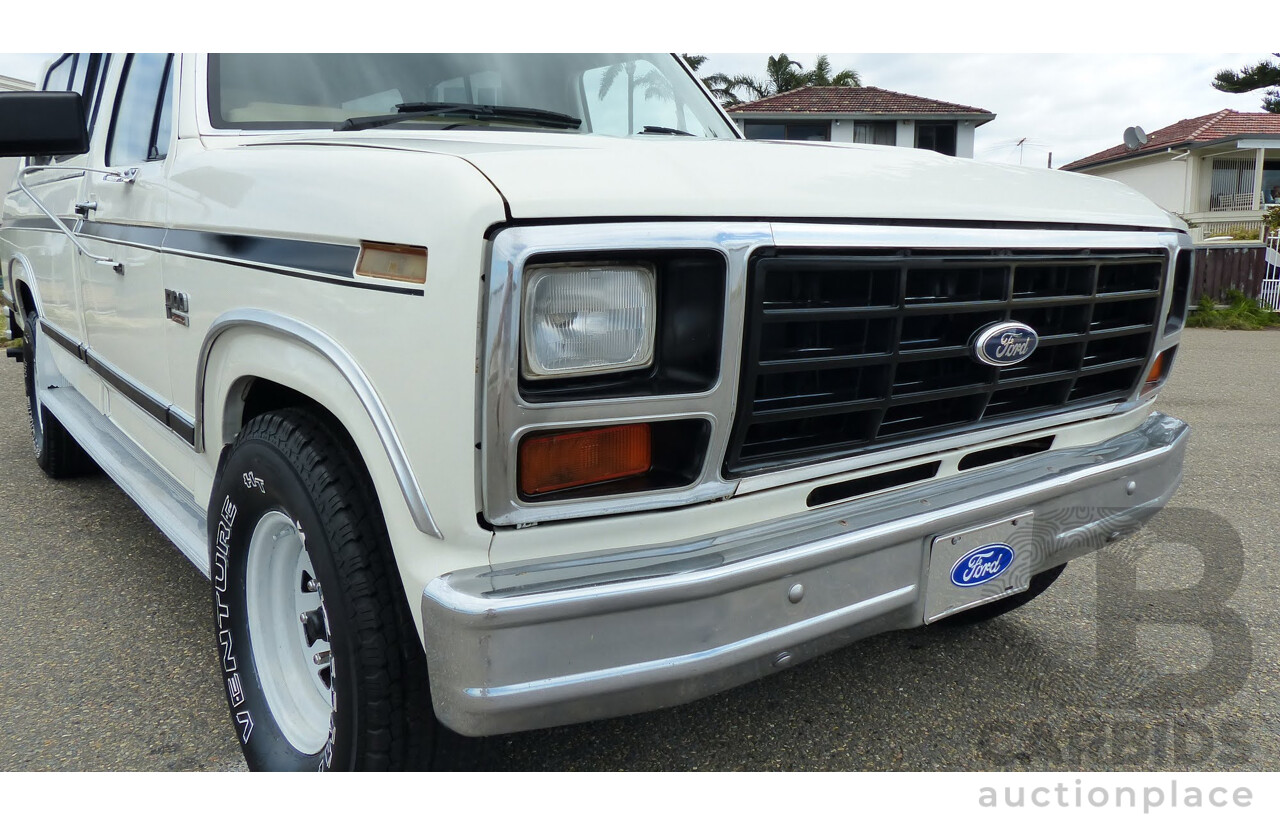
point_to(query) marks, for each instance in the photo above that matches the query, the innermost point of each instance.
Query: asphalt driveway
(109, 663)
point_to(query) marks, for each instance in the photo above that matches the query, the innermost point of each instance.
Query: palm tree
(821, 75)
(655, 84)
(782, 74)
(719, 84)
(606, 83)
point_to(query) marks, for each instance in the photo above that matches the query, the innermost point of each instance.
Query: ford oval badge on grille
(1005, 344)
(981, 565)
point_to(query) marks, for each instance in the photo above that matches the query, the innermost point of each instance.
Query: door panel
(124, 310)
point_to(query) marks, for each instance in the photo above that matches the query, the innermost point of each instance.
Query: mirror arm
(115, 175)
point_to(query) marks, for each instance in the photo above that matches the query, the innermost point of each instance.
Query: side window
(59, 77)
(89, 73)
(141, 124)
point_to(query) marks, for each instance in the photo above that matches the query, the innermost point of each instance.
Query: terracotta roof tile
(1216, 126)
(841, 100)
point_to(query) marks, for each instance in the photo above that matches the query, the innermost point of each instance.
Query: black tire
(57, 452)
(1039, 583)
(290, 462)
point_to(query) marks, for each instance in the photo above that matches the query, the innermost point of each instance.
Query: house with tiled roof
(862, 114)
(1219, 171)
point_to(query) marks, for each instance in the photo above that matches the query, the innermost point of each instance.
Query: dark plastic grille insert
(847, 353)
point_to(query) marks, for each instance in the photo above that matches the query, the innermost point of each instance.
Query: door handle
(85, 207)
(121, 176)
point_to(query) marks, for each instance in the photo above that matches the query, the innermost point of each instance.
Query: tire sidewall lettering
(249, 487)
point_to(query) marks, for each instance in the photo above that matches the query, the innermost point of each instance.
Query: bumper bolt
(782, 660)
(1131, 487)
(796, 593)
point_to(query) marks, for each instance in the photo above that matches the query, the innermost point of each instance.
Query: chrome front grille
(845, 353)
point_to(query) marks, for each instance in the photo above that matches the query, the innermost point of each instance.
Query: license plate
(979, 565)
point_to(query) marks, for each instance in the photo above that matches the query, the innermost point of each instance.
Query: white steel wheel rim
(295, 673)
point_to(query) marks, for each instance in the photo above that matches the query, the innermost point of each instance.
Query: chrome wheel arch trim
(330, 350)
(19, 264)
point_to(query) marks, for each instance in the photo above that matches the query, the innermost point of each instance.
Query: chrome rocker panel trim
(567, 640)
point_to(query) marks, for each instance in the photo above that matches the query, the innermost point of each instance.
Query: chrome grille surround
(504, 417)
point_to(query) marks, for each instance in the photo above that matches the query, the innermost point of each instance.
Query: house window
(1271, 182)
(1231, 184)
(881, 132)
(808, 130)
(938, 135)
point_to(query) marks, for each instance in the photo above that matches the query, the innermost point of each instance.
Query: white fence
(1269, 293)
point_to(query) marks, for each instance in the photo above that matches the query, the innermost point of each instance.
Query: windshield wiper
(479, 111)
(664, 130)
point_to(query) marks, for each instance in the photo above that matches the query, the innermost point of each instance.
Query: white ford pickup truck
(503, 392)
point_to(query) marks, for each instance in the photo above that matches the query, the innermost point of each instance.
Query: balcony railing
(1229, 226)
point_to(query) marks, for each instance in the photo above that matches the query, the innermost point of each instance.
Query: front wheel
(322, 666)
(57, 453)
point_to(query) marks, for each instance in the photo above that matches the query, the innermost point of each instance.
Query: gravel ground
(109, 662)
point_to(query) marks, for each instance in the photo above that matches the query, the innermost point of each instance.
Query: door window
(142, 125)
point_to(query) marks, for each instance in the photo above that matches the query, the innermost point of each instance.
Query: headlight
(584, 320)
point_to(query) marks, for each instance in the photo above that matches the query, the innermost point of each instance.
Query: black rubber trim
(128, 389)
(69, 344)
(166, 414)
(494, 229)
(185, 429)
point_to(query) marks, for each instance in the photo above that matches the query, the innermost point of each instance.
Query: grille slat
(850, 353)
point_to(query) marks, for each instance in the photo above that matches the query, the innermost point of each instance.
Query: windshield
(610, 94)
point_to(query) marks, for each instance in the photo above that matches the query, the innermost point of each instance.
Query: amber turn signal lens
(561, 460)
(1156, 375)
(393, 262)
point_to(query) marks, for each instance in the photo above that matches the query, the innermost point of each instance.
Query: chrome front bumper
(571, 639)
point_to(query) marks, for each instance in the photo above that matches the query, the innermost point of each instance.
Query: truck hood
(545, 176)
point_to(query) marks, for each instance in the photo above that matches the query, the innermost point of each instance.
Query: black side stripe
(39, 222)
(148, 236)
(166, 414)
(324, 258)
(308, 260)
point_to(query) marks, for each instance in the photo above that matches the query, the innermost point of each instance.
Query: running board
(157, 493)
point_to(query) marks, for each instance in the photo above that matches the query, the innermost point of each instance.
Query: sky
(1072, 105)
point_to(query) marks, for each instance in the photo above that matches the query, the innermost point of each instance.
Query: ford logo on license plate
(981, 565)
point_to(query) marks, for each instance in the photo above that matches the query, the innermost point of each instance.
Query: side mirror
(42, 123)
